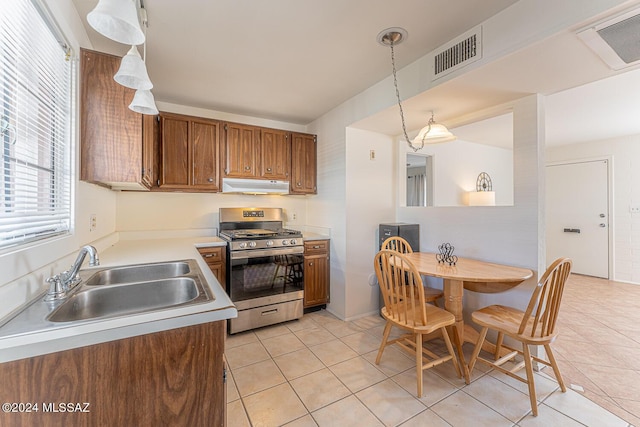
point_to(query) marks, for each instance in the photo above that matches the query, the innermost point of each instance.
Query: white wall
(456, 166)
(371, 194)
(626, 192)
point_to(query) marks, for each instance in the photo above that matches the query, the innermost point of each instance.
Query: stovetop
(258, 234)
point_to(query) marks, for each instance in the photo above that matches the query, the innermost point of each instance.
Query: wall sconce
(484, 194)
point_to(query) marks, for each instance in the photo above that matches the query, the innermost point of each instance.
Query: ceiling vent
(458, 53)
(616, 41)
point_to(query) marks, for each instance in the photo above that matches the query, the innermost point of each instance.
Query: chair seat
(436, 318)
(432, 294)
(507, 320)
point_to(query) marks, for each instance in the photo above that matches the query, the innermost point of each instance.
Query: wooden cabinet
(116, 144)
(275, 154)
(174, 377)
(190, 153)
(254, 152)
(303, 164)
(216, 258)
(241, 151)
(316, 273)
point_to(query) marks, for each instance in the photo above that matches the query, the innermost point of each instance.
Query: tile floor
(599, 343)
(321, 371)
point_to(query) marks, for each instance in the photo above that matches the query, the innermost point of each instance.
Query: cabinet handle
(310, 264)
(298, 184)
(210, 179)
(247, 168)
(210, 255)
(316, 247)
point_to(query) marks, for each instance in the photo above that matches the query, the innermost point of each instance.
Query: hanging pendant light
(433, 132)
(117, 20)
(133, 72)
(144, 103)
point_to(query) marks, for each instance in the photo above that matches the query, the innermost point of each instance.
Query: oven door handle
(256, 253)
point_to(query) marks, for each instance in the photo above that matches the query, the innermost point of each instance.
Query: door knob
(601, 215)
(603, 224)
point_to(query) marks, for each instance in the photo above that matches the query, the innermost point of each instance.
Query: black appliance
(409, 232)
(265, 266)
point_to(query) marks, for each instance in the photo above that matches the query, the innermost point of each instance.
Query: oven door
(265, 272)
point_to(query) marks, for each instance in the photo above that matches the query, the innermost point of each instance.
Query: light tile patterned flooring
(321, 371)
(599, 343)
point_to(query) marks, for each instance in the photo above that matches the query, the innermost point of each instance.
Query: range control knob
(285, 242)
(293, 241)
(269, 242)
(252, 244)
(242, 245)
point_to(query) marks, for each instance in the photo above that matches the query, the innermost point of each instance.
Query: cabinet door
(149, 138)
(110, 133)
(316, 280)
(205, 154)
(303, 164)
(276, 154)
(174, 140)
(241, 151)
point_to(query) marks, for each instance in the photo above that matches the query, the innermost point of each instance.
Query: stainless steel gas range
(265, 277)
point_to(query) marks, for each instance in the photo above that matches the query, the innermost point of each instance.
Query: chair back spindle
(545, 301)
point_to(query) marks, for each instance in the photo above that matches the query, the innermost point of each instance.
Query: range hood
(254, 186)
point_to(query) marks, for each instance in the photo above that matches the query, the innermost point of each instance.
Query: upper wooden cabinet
(189, 153)
(254, 152)
(303, 164)
(275, 154)
(116, 144)
(241, 151)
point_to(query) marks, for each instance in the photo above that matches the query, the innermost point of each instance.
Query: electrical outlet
(92, 222)
(634, 208)
(372, 154)
(294, 216)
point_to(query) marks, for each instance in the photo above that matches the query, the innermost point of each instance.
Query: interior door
(577, 215)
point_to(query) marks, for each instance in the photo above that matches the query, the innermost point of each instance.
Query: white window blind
(35, 121)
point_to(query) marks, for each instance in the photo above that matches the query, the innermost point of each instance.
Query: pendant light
(144, 103)
(117, 20)
(133, 72)
(433, 132)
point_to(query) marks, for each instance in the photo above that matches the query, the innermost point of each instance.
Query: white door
(577, 198)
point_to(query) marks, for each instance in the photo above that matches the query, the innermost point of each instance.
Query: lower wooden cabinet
(216, 258)
(316, 273)
(174, 377)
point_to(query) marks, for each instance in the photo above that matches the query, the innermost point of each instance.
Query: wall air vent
(616, 41)
(458, 53)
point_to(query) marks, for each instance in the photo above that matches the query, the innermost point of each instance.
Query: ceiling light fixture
(143, 101)
(133, 72)
(432, 133)
(117, 20)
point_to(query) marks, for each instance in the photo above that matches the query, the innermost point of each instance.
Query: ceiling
(294, 60)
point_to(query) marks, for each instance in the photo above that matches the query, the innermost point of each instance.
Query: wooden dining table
(469, 274)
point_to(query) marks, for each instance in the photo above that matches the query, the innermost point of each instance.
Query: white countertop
(124, 252)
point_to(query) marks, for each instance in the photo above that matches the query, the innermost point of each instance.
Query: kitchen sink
(123, 299)
(138, 273)
(119, 291)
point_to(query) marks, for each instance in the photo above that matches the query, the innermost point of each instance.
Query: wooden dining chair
(534, 326)
(405, 307)
(399, 244)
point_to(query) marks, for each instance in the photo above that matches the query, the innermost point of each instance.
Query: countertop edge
(125, 253)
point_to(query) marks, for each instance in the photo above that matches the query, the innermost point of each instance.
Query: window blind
(35, 122)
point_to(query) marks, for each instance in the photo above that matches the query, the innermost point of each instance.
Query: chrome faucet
(61, 284)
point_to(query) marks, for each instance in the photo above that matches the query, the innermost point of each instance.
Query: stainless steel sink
(120, 300)
(108, 293)
(139, 273)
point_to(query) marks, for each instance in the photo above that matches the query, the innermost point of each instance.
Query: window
(35, 126)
